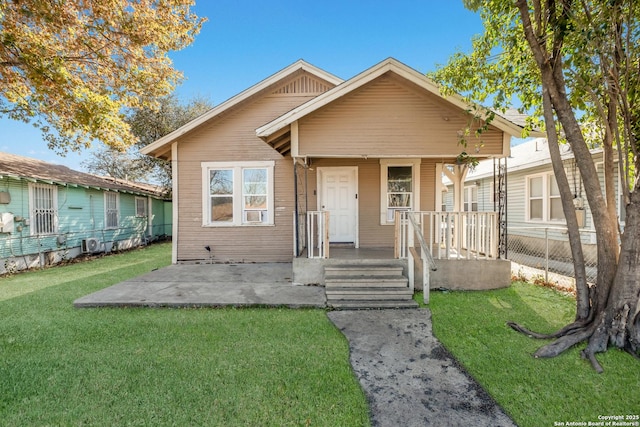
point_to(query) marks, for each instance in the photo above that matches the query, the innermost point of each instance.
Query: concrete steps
(367, 286)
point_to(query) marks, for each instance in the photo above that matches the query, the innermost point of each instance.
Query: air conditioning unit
(91, 245)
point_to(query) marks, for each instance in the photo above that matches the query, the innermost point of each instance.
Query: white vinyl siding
(236, 194)
(43, 200)
(111, 209)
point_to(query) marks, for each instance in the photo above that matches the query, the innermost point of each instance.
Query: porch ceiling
(281, 141)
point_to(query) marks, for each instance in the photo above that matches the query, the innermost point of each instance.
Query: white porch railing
(318, 234)
(451, 235)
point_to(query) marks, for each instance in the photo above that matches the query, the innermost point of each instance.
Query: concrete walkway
(209, 285)
(408, 377)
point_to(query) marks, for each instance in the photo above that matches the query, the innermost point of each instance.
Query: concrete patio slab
(209, 285)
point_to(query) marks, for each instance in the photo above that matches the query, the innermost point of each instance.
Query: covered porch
(448, 250)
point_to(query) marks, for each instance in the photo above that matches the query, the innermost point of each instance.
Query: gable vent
(303, 85)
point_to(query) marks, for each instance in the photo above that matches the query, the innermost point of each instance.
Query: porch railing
(318, 234)
(451, 235)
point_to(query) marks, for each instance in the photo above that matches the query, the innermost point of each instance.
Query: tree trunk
(619, 323)
(582, 288)
(614, 304)
(608, 163)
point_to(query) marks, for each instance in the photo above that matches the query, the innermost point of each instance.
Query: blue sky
(245, 41)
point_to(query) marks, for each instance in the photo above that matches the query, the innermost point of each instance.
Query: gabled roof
(388, 65)
(33, 170)
(162, 146)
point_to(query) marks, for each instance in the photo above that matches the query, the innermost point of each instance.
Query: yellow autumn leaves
(79, 65)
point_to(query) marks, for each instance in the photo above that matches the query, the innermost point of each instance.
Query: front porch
(450, 250)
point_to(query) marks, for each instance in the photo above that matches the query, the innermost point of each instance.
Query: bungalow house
(534, 215)
(306, 166)
(50, 213)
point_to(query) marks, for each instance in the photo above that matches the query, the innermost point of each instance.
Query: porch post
(457, 176)
(296, 231)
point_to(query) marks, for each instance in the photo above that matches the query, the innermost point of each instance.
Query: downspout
(296, 217)
(174, 203)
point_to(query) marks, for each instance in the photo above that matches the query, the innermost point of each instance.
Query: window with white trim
(141, 207)
(543, 199)
(111, 209)
(556, 212)
(43, 199)
(471, 198)
(399, 189)
(236, 194)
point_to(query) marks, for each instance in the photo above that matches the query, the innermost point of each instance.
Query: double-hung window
(111, 209)
(141, 207)
(236, 194)
(471, 198)
(43, 200)
(399, 189)
(543, 199)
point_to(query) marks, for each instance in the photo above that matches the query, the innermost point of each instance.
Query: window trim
(106, 210)
(238, 193)
(144, 201)
(384, 173)
(468, 192)
(546, 199)
(32, 203)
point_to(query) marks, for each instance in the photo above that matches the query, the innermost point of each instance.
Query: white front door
(338, 190)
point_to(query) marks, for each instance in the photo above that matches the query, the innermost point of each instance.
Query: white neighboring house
(533, 205)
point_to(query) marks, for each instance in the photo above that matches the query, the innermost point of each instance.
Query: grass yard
(534, 392)
(220, 367)
(265, 367)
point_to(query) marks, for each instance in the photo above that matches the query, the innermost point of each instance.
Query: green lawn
(265, 367)
(535, 392)
(256, 367)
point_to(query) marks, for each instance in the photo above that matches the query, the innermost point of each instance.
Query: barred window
(43, 200)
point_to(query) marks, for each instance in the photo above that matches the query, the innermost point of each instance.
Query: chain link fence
(543, 255)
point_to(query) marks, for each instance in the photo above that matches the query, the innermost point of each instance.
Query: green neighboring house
(50, 213)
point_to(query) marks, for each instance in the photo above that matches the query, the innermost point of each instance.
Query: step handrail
(425, 254)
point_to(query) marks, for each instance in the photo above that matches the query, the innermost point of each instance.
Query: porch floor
(349, 252)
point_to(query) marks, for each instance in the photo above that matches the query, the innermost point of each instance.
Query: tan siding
(428, 185)
(389, 118)
(232, 138)
(372, 234)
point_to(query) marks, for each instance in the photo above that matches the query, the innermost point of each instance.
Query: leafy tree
(72, 67)
(116, 164)
(148, 125)
(578, 65)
